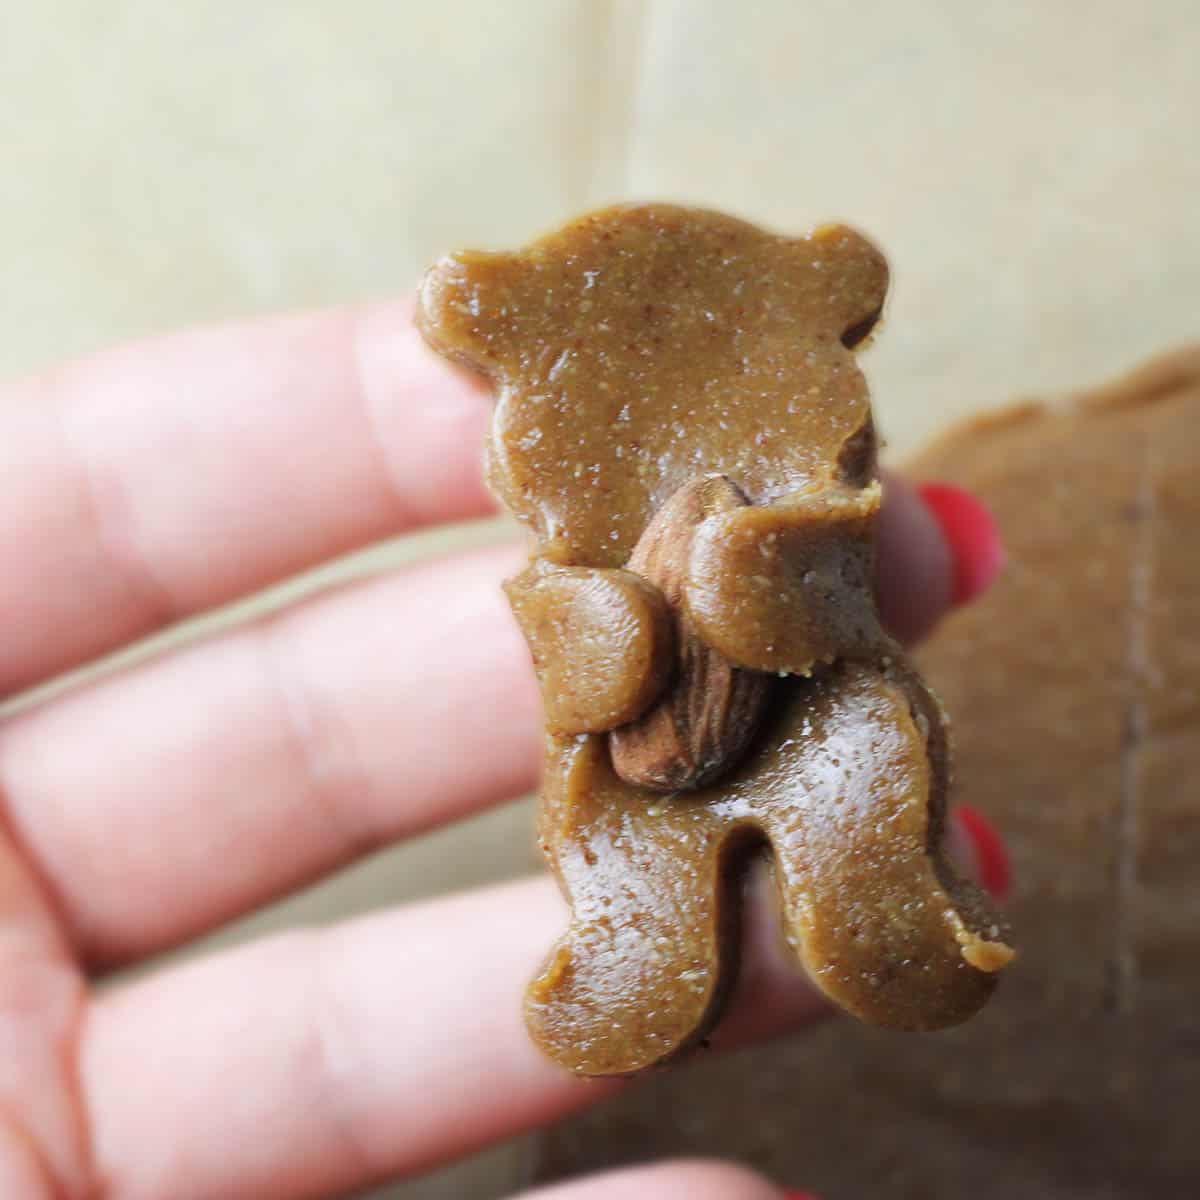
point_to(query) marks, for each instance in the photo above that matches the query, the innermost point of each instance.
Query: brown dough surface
(1075, 686)
(681, 425)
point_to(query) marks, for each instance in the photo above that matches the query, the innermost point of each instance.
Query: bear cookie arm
(682, 427)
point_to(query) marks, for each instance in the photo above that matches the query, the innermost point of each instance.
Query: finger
(370, 1050)
(667, 1181)
(971, 533)
(201, 784)
(915, 567)
(42, 1152)
(938, 547)
(375, 1048)
(158, 480)
(332, 1058)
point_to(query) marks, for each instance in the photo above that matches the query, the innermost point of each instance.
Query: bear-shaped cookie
(681, 425)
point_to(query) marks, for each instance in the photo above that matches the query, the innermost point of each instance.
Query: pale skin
(157, 481)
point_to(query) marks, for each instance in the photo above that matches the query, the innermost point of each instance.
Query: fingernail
(995, 866)
(971, 533)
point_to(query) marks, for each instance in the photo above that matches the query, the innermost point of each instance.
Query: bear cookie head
(635, 347)
(639, 349)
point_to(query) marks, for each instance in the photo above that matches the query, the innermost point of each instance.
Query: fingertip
(939, 548)
(721, 1180)
(971, 533)
(990, 863)
(681, 1179)
(915, 569)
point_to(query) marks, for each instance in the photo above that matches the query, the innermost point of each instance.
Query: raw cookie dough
(681, 425)
(1075, 687)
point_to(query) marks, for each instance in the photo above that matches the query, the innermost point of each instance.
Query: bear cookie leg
(645, 965)
(852, 802)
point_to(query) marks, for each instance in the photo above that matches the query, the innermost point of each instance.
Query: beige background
(1031, 169)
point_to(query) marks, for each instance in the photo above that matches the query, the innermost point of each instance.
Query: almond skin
(706, 719)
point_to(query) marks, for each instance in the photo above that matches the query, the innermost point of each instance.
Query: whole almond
(709, 713)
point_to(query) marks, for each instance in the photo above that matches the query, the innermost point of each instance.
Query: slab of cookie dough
(1075, 686)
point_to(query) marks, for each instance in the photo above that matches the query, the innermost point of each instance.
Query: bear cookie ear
(467, 307)
(858, 279)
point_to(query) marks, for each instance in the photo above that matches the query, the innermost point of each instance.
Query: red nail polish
(798, 1196)
(995, 867)
(972, 535)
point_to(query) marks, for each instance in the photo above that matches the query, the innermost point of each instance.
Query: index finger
(158, 480)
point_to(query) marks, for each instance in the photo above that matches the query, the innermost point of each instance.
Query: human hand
(159, 481)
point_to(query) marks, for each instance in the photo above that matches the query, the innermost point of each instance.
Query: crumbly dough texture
(636, 354)
(1075, 688)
